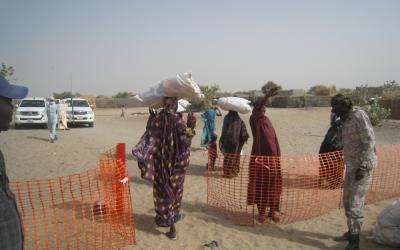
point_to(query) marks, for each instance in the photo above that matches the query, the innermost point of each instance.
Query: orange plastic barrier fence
(300, 187)
(90, 210)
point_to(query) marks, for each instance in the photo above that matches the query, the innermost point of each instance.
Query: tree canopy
(65, 94)
(391, 86)
(210, 93)
(6, 71)
(270, 85)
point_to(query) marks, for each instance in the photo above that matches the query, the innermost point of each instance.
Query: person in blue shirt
(209, 124)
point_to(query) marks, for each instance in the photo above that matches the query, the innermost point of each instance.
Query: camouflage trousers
(354, 193)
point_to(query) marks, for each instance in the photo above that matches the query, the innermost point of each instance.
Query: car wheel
(91, 124)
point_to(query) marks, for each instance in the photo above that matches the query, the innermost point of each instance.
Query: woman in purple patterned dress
(164, 157)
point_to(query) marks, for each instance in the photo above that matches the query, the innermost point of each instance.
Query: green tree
(210, 93)
(270, 85)
(6, 71)
(65, 94)
(390, 86)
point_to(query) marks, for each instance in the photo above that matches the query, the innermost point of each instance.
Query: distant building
(291, 92)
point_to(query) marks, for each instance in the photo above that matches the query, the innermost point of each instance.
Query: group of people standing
(350, 131)
(265, 178)
(164, 150)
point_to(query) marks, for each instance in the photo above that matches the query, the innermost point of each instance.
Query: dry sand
(29, 155)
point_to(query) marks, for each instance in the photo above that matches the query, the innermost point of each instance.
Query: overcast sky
(104, 47)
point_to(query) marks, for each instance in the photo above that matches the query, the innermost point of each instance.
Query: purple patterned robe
(163, 157)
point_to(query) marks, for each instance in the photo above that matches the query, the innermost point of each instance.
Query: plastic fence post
(119, 175)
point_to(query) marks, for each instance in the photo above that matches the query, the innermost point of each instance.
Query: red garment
(265, 177)
(212, 154)
(265, 141)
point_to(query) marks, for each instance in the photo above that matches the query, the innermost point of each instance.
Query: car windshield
(78, 103)
(32, 103)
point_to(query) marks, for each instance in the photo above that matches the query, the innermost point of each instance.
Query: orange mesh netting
(301, 187)
(90, 210)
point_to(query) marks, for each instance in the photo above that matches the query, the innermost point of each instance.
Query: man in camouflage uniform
(358, 141)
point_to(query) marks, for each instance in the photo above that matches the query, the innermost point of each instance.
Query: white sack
(237, 104)
(180, 109)
(387, 227)
(239, 99)
(182, 85)
(184, 103)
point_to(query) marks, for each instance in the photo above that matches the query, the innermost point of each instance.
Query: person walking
(166, 163)
(11, 227)
(265, 177)
(234, 135)
(122, 112)
(358, 140)
(52, 118)
(209, 124)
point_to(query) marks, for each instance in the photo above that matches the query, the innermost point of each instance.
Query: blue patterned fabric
(209, 126)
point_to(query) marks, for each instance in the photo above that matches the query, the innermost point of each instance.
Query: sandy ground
(29, 155)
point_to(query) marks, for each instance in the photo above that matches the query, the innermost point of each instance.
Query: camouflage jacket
(358, 141)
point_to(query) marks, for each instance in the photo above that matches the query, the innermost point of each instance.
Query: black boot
(354, 243)
(344, 237)
(172, 232)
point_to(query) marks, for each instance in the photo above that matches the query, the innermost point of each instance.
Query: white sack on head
(239, 99)
(184, 103)
(180, 108)
(237, 104)
(180, 86)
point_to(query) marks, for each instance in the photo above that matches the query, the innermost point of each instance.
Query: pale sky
(113, 46)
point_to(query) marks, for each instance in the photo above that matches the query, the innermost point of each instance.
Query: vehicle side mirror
(16, 105)
(91, 105)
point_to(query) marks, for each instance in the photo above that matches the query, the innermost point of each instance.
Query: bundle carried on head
(233, 103)
(183, 105)
(180, 86)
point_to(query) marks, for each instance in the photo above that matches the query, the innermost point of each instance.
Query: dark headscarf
(341, 100)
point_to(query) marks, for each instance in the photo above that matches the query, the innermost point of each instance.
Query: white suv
(79, 111)
(31, 111)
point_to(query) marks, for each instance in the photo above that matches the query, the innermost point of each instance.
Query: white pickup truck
(31, 111)
(79, 111)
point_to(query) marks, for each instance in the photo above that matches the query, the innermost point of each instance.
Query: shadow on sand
(313, 239)
(38, 138)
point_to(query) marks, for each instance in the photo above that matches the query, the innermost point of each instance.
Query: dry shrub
(323, 90)
(320, 90)
(391, 95)
(391, 100)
